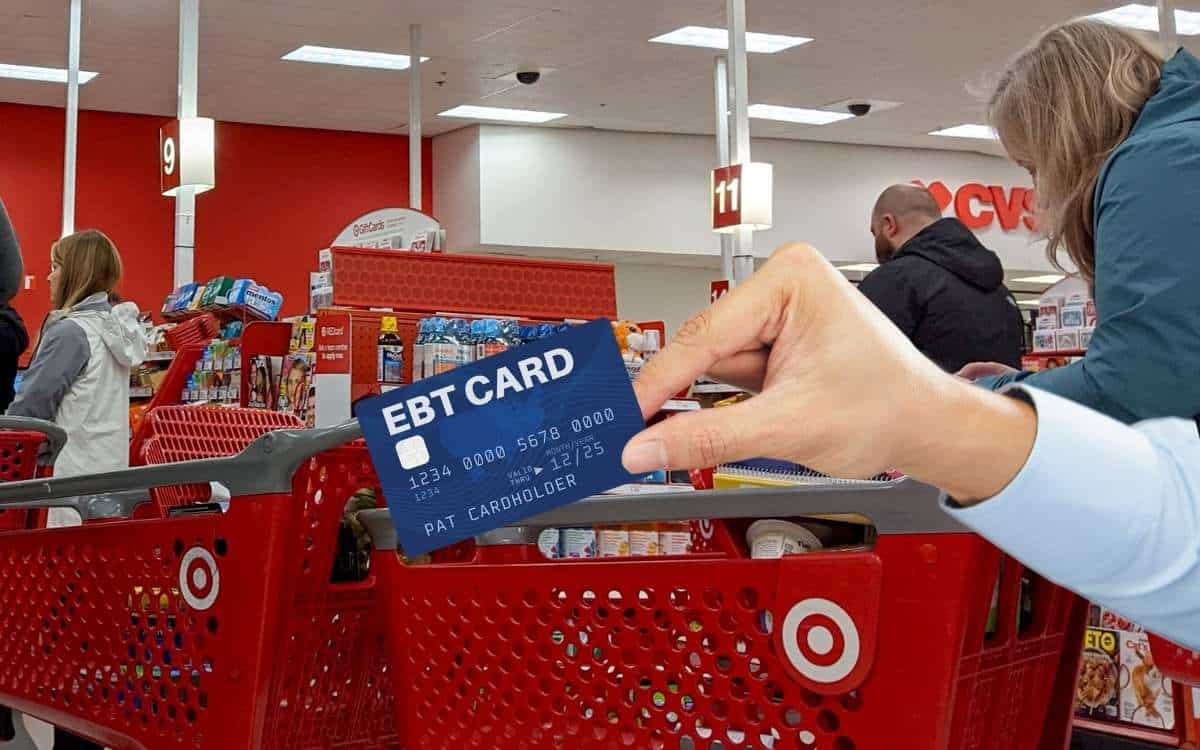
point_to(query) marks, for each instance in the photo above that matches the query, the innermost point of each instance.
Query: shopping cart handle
(901, 507)
(56, 437)
(266, 466)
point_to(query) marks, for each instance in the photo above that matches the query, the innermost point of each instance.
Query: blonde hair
(1060, 109)
(88, 263)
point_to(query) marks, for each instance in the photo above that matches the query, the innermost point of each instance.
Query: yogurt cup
(771, 539)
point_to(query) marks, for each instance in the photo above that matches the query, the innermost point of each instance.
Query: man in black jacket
(939, 284)
(13, 336)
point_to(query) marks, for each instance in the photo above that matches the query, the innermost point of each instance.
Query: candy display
(223, 293)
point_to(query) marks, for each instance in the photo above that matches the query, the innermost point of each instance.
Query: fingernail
(644, 455)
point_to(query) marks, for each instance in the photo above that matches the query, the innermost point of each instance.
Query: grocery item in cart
(675, 537)
(643, 540)
(770, 539)
(613, 541)
(549, 543)
(1097, 689)
(578, 543)
(1146, 696)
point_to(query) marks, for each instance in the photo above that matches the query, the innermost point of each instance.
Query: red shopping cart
(210, 629)
(27, 448)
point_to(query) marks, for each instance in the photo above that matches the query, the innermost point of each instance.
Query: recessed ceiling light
(38, 73)
(1049, 278)
(472, 112)
(357, 58)
(701, 36)
(862, 267)
(1145, 18)
(969, 130)
(796, 114)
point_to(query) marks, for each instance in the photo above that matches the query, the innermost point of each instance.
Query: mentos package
(257, 298)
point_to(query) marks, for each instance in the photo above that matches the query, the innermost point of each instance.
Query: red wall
(282, 194)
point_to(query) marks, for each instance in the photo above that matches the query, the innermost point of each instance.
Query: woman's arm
(61, 356)
(12, 267)
(1109, 511)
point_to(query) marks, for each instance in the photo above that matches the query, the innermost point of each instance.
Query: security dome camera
(859, 109)
(528, 77)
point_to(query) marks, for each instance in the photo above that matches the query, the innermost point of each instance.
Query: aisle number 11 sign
(742, 197)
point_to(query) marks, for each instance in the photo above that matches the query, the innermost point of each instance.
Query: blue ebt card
(510, 436)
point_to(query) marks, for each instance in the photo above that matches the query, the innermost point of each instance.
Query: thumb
(702, 439)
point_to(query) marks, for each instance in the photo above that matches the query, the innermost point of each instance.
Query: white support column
(721, 96)
(185, 199)
(743, 243)
(1166, 27)
(72, 129)
(414, 117)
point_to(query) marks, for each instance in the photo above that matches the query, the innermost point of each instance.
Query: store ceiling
(923, 53)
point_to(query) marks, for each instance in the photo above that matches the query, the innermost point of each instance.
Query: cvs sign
(979, 206)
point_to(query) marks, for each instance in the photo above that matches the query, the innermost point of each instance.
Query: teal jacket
(1144, 358)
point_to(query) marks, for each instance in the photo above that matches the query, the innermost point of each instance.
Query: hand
(842, 390)
(977, 370)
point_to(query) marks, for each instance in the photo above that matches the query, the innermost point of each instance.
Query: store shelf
(478, 284)
(1059, 353)
(1156, 737)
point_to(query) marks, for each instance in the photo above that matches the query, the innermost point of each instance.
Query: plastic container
(418, 352)
(675, 538)
(770, 539)
(549, 543)
(578, 543)
(643, 540)
(492, 339)
(613, 541)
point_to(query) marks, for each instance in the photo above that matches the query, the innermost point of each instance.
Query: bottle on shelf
(460, 332)
(418, 353)
(390, 353)
(492, 340)
(478, 335)
(444, 344)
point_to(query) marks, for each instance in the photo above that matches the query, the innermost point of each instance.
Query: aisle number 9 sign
(741, 197)
(185, 155)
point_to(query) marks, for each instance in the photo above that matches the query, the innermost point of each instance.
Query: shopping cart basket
(28, 448)
(205, 629)
(874, 649)
(222, 630)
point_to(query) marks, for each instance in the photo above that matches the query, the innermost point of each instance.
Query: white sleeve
(1107, 510)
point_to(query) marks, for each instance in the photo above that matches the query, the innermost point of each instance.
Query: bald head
(900, 212)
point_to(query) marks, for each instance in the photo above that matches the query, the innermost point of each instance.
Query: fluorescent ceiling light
(863, 267)
(1029, 303)
(1050, 278)
(1145, 18)
(357, 58)
(472, 112)
(37, 73)
(969, 130)
(796, 114)
(701, 36)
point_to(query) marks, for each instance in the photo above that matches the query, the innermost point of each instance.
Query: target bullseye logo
(199, 578)
(821, 640)
(706, 528)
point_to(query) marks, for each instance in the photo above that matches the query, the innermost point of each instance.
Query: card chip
(412, 452)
